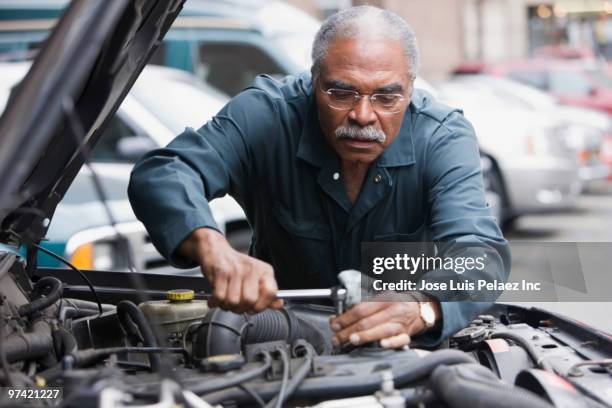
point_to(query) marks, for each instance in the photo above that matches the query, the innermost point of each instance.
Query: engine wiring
(202, 388)
(299, 375)
(261, 403)
(74, 268)
(277, 401)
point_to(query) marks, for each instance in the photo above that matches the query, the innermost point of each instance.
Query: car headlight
(100, 255)
(102, 248)
(585, 141)
(548, 142)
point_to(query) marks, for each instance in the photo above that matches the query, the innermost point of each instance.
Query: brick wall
(438, 25)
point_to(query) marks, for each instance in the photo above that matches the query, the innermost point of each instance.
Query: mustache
(369, 133)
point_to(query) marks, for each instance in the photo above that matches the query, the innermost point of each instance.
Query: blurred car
(225, 43)
(525, 163)
(575, 83)
(565, 52)
(584, 130)
(493, 193)
(81, 230)
(228, 43)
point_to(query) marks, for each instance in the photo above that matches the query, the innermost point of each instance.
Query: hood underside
(59, 110)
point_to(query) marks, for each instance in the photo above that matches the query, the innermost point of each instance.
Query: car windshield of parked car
(178, 104)
(569, 83)
(531, 77)
(602, 77)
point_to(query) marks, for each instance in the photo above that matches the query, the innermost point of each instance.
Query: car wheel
(494, 191)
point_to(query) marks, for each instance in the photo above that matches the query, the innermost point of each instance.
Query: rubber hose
(412, 396)
(297, 377)
(69, 344)
(88, 357)
(40, 300)
(128, 312)
(33, 345)
(350, 385)
(472, 385)
(225, 332)
(57, 342)
(268, 325)
(524, 344)
(219, 383)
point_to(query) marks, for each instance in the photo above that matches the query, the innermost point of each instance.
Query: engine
(177, 351)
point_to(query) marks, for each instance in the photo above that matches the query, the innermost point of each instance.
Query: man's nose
(362, 113)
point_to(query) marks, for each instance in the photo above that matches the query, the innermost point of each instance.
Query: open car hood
(77, 82)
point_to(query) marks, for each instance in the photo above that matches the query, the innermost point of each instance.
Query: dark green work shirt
(265, 148)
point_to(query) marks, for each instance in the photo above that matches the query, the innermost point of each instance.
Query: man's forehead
(355, 61)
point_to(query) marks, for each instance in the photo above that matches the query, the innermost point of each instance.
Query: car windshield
(569, 83)
(602, 77)
(193, 102)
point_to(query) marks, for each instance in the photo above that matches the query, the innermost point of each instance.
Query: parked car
(584, 130)
(81, 230)
(221, 49)
(565, 52)
(224, 43)
(577, 83)
(525, 163)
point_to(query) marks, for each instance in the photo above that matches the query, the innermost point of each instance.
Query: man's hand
(240, 283)
(393, 323)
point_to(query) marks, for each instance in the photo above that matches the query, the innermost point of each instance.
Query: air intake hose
(224, 332)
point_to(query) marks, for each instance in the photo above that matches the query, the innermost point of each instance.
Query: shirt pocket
(418, 234)
(300, 228)
(304, 248)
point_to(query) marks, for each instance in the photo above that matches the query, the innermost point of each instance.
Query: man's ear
(411, 80)
(314, 77)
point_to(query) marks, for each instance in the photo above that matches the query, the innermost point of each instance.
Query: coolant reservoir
(175, 314)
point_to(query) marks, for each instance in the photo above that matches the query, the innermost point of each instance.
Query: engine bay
(178, 352)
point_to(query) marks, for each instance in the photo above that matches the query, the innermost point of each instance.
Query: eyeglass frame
(358, 96)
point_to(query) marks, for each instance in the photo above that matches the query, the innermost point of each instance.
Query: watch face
(427, 314)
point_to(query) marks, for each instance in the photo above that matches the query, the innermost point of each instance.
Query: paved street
(590, 222)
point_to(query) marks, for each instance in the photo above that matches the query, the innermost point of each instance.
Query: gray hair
(359, 21)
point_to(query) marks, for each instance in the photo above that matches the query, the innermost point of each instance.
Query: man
(320, 163)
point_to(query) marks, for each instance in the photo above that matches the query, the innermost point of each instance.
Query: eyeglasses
(343, 100)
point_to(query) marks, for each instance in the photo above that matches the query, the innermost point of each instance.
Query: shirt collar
(312, 147)
(401, 151)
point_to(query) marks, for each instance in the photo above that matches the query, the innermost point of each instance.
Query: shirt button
(377, 178)
(336, 176)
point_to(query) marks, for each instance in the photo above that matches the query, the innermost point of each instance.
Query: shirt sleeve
(170, 187)
(461, 223)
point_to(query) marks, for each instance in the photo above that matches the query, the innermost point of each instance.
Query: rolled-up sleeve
(461, 222)
(170, 187)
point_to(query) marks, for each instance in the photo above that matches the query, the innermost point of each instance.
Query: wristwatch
(426, 310)
(427, 314)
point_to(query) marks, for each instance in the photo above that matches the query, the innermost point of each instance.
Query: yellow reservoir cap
(177, 295)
